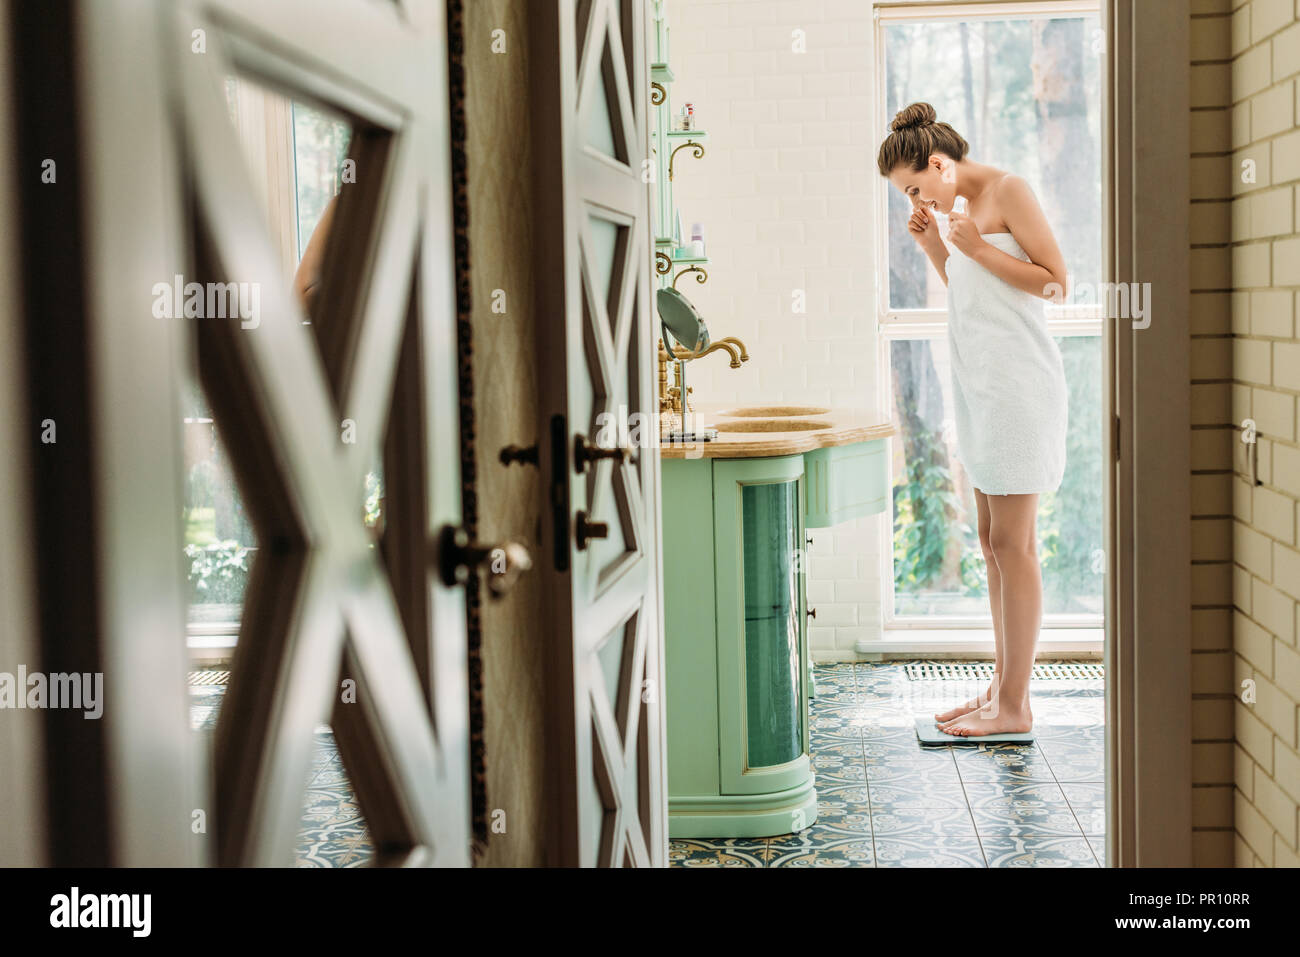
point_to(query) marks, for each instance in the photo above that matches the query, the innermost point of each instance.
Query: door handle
(583, 454)
(457, 558)
(812, 612)
(585, 530)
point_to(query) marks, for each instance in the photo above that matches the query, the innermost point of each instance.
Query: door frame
(1148, 484)
(105, 587)
(20, 731)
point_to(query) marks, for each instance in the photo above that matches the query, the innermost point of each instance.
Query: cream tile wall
(1264, 60)
(785, 193)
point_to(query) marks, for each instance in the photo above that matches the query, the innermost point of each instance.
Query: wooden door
(304, 409)
(606, 735)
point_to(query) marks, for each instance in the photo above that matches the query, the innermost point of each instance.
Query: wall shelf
(670, 266)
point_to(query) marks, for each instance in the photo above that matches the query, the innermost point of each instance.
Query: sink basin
(768, 411)
(773, 425)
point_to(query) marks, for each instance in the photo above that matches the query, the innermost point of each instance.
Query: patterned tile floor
(333, 831)
(882, 799)
(885, 801)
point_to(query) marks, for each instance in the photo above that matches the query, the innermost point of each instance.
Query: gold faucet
(744, 354)
(672, 403)
(736, 358)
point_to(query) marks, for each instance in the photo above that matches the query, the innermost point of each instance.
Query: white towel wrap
(1008, 380)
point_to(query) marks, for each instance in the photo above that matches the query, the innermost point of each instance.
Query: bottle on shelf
(697, 240)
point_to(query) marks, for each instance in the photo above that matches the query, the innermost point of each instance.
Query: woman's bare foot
(992, 718)
(954, 713)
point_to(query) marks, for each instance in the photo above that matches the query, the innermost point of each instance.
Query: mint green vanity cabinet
(757, 516)
(737, 689)
(735, 627)
(845, 482)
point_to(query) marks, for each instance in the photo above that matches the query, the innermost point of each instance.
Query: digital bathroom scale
(929, 734)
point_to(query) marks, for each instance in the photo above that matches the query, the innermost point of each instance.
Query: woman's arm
(925, 230)
(1044, 275)
(938, 254)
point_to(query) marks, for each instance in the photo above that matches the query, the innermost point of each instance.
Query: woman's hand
(964, 234)
(924, 228)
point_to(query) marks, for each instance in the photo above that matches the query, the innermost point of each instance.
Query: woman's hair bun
(917, 135)
(913, 117)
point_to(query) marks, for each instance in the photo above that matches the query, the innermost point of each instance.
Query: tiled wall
(1265, 371)
(785, 193)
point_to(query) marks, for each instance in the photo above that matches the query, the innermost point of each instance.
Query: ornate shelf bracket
(701, 278)
(697, 152)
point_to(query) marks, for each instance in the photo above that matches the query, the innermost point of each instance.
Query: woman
(1008, 382)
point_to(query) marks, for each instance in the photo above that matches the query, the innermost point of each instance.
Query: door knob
(584, 453)
(457, 558)
(812, 612)
(586, 530)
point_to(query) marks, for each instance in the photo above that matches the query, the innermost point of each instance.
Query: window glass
(1026, 96)
(939, 568)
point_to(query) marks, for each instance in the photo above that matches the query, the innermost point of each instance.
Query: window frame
(909, 324)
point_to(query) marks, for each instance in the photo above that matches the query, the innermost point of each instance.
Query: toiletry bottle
(697, 240)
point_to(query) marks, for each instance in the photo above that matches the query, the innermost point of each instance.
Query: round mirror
(681, 321)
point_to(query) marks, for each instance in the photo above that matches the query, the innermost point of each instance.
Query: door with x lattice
(592, 184)
(348, 383)
(318, 393)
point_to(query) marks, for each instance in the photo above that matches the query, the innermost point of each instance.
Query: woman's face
(934, 187)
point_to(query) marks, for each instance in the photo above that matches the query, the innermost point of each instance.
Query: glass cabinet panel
(773, 690)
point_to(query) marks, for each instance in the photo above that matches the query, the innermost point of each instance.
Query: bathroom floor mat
(929, 734)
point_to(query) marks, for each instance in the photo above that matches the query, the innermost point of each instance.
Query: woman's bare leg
(995, 605)
(1013, 539)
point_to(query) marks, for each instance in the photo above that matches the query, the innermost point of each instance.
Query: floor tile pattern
(885, 801)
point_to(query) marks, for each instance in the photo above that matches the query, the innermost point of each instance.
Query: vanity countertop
(816, 427)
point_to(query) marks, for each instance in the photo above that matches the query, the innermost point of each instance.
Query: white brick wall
(785, 193)
(1265, 41)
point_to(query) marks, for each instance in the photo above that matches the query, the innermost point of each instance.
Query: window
(1022, 83)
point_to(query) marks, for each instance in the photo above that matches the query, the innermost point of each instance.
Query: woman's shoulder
(1012, 190)
(1009, 186)
(1013, 198)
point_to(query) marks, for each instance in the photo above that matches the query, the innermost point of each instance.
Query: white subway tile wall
(786, 195)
